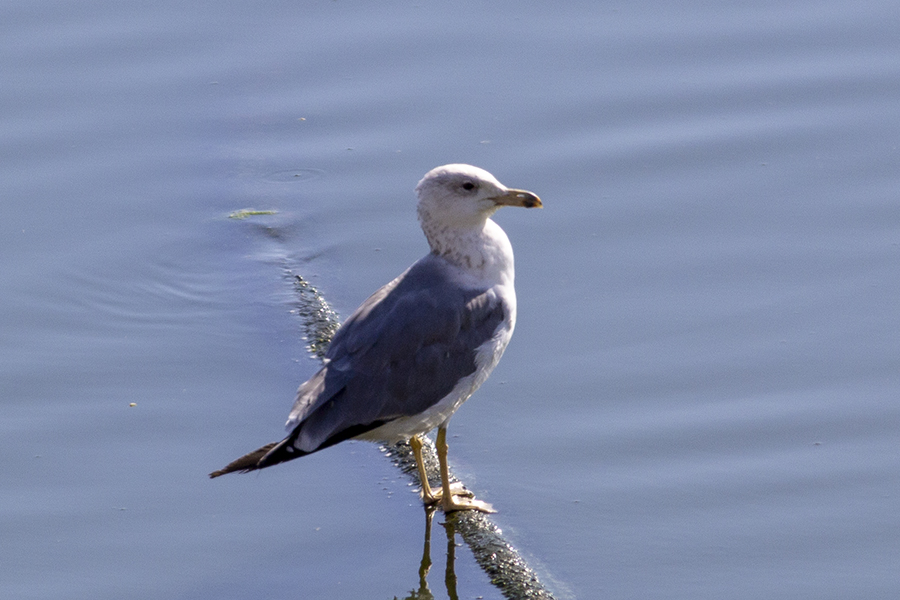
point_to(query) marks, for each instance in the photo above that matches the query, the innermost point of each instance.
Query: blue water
(700, 400)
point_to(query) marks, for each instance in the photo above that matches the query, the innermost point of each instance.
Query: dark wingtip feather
(283, 451)
(245, 464)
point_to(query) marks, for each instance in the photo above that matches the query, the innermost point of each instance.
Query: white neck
(484, 252)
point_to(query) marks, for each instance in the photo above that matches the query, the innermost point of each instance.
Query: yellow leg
(450, 501)
(428, 496)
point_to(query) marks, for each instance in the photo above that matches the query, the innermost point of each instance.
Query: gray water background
(701, 397)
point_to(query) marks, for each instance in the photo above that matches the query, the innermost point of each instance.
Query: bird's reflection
(450, 573)
(424, 592)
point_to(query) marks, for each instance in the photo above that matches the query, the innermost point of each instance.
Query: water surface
(700, 398)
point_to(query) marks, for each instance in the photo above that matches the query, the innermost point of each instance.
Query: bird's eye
(469, 186)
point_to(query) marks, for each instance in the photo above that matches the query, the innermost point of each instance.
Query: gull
(420, 346)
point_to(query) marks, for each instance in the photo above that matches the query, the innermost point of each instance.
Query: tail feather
(279, 452)
(248, 462)
(268, 455)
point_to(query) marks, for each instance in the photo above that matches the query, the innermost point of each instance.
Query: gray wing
(399, 353)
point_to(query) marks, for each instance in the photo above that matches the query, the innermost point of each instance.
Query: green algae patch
(250, 212)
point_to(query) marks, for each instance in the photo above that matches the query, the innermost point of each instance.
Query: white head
(463, 197)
